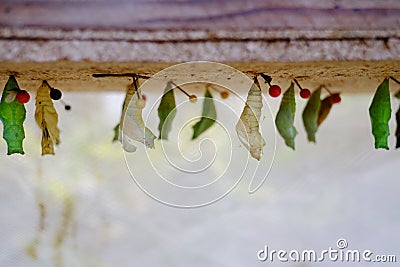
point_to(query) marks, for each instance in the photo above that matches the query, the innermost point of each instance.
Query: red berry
(305, 93)
(23, 96)
(275, 90)
(193, 99)
(224, 94)
(55, 94)
(336, 98)
(144, 97)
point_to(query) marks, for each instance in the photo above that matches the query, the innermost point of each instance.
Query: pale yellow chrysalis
(47, 118)
(248, 128)
(132, 125)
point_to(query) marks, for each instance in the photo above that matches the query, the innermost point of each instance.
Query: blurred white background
(82, 208)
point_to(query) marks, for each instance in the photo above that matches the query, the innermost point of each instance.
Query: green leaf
(285, 117)
(311, 113)
(12, 115)
(166, 112)
(116, 133)
(208, 116)
(379, 113)
(398, 128)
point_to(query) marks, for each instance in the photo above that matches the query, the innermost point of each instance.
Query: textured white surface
(179, 31)
(222, 51)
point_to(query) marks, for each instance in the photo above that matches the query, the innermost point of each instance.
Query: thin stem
(267, 78)
(297, 83)
(323, 86)
(177, 86)
(210, 85)
(394, 79)
(135, 84)
(101, 75)
(66, 106)
(255, 81)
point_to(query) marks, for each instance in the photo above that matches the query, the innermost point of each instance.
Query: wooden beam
(345, 76)
(346, 44)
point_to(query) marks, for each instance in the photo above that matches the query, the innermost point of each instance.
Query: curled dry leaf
(248, 128)
(47, 119)
(208, 115)
(285, 117)
(166, 111)
(311, 113)
(380, 113)
(132, 125)
(13, 115)
(326, 106)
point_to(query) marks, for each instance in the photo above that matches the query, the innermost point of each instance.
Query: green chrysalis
(379, 113)
(311, 113)
(208, 116)
(166, 112)
(397, 95)
(285, 117)
(12, 115)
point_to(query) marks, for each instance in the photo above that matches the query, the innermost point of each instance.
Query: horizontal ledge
(61, 34)
(347, 77)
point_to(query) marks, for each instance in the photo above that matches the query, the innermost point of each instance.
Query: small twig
(132, 75)
(394, 79)
(297, 83)
(210, 85)
(258, 84)
(223, 92)
(177, 86)
(397, 95)
(135, 84)
(267, 78)
(66, 106)
(323, 86)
